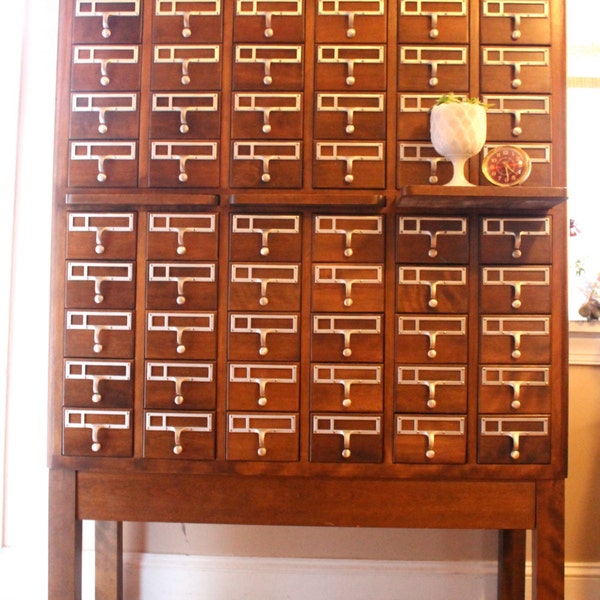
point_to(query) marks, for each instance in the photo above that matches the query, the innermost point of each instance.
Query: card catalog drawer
(179, 235)
(346, 20)
(515, 22)
(107, 235)
(273, 20)
(350, 116)
(356, 337)
(431, 239)
(514, 440)
(445, 22)
(274, 337)
(104, 115)
(269, 386)
(185, 115)
(518, 117)
(266, 164)
(191, 385)
(99, 334)
(268, 286)
(506, 389)
(182, 335)
(186, 67)
(103, 284)
(420, 164)
(111, 68)
(350, 67)
(431, 68)
(114, 21)
(349, 164)
(185, 435)
(266, 115)
(103, 383)
(438, 389)
(348, 238)
(186, 285)
(182, 20)
(97, 433)
(351, 387)
(266, 437)
(438, 289)
(424, 338)
(525, 69)
(516, 241)
(270, 237)
(515, 289)
(102, 164)
(344, 287)
(174, 163)
(265, 67)
(346, 438)
(508, 339)
(426, 439)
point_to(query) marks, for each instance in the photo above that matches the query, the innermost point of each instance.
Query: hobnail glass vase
(458, 131)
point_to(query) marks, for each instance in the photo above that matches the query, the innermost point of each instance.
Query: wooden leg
(64, 538)
(511, 565)
(549, 541)
(109, 560)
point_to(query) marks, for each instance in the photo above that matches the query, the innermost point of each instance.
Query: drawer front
(439, 389)
(106, 285)
(262, 67)
(102, 383)
(101, 235)
(101, 115)
(264, 437)
(351, 387)
(175, 163)
(266, 237)
(178, 235)
(346, 67)
(515, 289)
(270, 20)
(101, 164)
(431, 288)
(184, 435)
(89, 432)
(186, 115)
(511, 389)
(516, 241)
(343, 287)
(515, 69)
(355, 337)
(184, 21)
(520, 118)
(170, 384)
(189, 286)
(350, 116)
(510, 339)
(110, 21)
(514, 440)
(264, 115)
(255, 336)
(348, 238)
(183, 335)
(426, 439)
(429, 239)
(515, 22)
(269, 386)
(433, 339)
(428, 68)
(357, 22)
(110, 67)
(424, 21)
(346, 438)
(99, 334)
(349, 164)
(267, 286)
(185, 67)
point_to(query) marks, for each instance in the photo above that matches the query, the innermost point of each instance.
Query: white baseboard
(179, 577)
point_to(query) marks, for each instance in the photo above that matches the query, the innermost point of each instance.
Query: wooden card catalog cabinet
(267, 307)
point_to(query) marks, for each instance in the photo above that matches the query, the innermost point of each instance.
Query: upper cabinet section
(219, 95)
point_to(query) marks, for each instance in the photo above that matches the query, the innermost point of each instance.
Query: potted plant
(458, 128)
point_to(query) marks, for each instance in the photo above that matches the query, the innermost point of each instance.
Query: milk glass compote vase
(458, 130)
